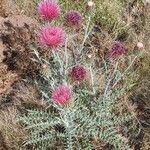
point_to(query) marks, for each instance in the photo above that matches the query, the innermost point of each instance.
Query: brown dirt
(17, 35)
(6, 77)
(8, 7)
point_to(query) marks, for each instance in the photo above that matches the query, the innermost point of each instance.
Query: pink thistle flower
(117, 50)
(49, 9)
(78, 73)
(62, 94)
(73, 18)
(52, 36)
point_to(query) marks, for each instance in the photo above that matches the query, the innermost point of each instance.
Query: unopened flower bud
(89, 55)
(140, 45)
(90, 5)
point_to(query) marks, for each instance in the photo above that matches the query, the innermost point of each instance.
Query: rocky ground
(17, 32)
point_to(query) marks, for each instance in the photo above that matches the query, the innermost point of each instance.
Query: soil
(17, 34)
(8, 7)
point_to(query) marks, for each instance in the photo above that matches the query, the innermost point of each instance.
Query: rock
(18, 34)
(7, 78)
(21, 21)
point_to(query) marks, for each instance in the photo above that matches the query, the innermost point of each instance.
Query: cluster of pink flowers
(50, 36)
(63, 93)
(53, 37)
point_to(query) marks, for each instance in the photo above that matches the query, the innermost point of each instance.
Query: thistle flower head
(73, 18)
(52, 36)
(78, 73)
(62, 94)
(116, 50)
(49, 9)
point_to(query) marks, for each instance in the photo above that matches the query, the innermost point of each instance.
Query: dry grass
(146, 143)
(21, 96)
(11, 132)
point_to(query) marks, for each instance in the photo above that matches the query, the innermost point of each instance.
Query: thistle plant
(78, 111)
